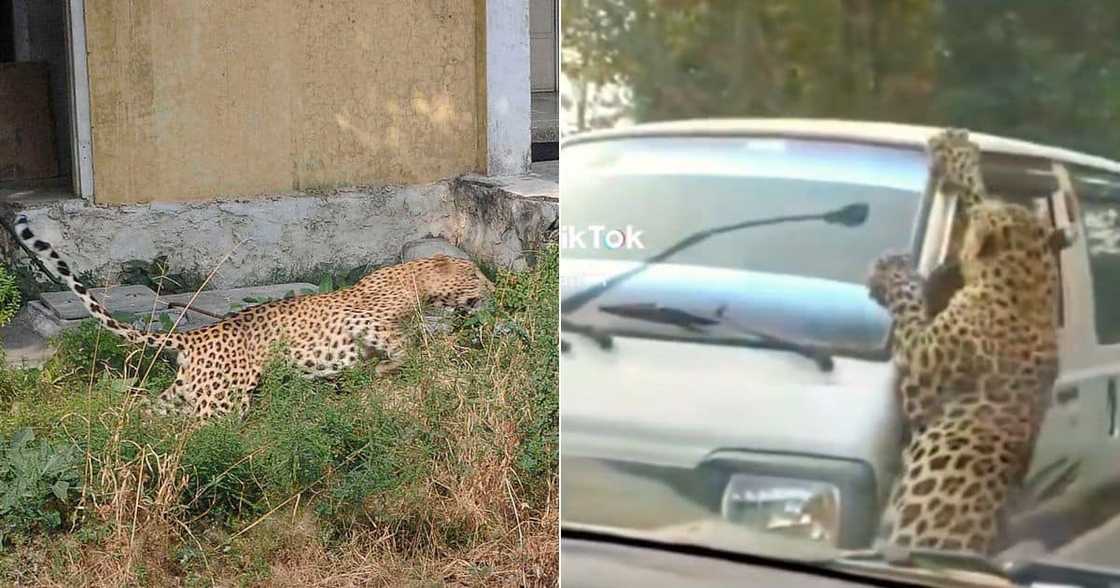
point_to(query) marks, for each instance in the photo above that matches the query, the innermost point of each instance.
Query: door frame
(81, 136)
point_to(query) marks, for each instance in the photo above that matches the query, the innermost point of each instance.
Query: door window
(1099, 196)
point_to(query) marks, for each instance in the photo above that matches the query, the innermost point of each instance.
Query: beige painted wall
(195, 99)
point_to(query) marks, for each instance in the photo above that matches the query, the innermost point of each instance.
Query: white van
(745, 376)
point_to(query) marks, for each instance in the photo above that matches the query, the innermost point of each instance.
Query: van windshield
(626, 200)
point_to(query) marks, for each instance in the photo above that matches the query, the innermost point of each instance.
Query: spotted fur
(220, 364)
(977, 356)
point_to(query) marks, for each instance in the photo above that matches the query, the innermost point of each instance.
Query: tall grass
(443, 473)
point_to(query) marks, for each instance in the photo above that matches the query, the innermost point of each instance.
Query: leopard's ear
(442, 263)
(988, 246)
(1060, 239)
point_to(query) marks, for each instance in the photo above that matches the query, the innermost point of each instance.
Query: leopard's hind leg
(953, 492)
(173, 400)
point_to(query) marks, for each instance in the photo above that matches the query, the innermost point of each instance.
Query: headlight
(809, 497)
(797, 508)
(833, 501)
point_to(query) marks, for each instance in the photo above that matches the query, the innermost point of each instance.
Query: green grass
(452, 459)
(9, 296)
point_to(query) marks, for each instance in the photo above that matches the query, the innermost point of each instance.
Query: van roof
(816, 128)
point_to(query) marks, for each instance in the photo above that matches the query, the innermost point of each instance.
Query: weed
(156, 274)
(39, 480)
(216, 461)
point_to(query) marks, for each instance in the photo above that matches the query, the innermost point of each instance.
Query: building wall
(196, 99)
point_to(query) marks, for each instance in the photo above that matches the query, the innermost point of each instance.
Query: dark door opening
(36, 131)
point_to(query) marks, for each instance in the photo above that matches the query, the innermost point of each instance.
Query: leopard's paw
(891, 271)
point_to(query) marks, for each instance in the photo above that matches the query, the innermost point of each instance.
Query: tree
(1032, 69)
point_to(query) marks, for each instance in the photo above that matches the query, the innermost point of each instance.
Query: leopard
(220, 364)
(975, 346)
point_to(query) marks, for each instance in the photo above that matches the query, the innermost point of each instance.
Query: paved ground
(23, 347)
(546, 170)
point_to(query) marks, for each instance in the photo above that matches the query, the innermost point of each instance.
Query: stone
(127, 299)
(421, 248)
(24, 347)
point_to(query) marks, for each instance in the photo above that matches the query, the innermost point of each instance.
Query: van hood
(673, 402)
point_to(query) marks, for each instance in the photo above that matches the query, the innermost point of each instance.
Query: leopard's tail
(59, 266)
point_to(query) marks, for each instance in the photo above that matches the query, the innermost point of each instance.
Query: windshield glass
(667, 188)
(628, 199)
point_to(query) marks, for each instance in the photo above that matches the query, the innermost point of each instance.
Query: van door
(1076, 463)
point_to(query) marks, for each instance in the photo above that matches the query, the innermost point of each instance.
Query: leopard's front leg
(380, 336)
(897, 287)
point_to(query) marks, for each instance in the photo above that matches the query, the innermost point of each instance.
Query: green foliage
(38, 482)
(9, 296)
(90, 349)
(1021, 69)
(300, 449)
(533, 296)
(156, 274)
(307, 432)
(216, 459)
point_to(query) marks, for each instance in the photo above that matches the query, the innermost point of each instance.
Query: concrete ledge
(267, 239)
(25, 339)
(502, 220)
(496, 220)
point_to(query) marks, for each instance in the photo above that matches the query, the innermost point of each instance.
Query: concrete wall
(195, 99)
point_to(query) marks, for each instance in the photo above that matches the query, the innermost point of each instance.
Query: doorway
(544, 67)
(44, 126)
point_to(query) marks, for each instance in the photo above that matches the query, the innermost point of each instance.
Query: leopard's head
(450, 282)
(1008, 246)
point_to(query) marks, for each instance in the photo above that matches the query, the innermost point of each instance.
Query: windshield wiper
(923, 558)
(667, 315)
(655, 313)
(851, 215)
(604, 340)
